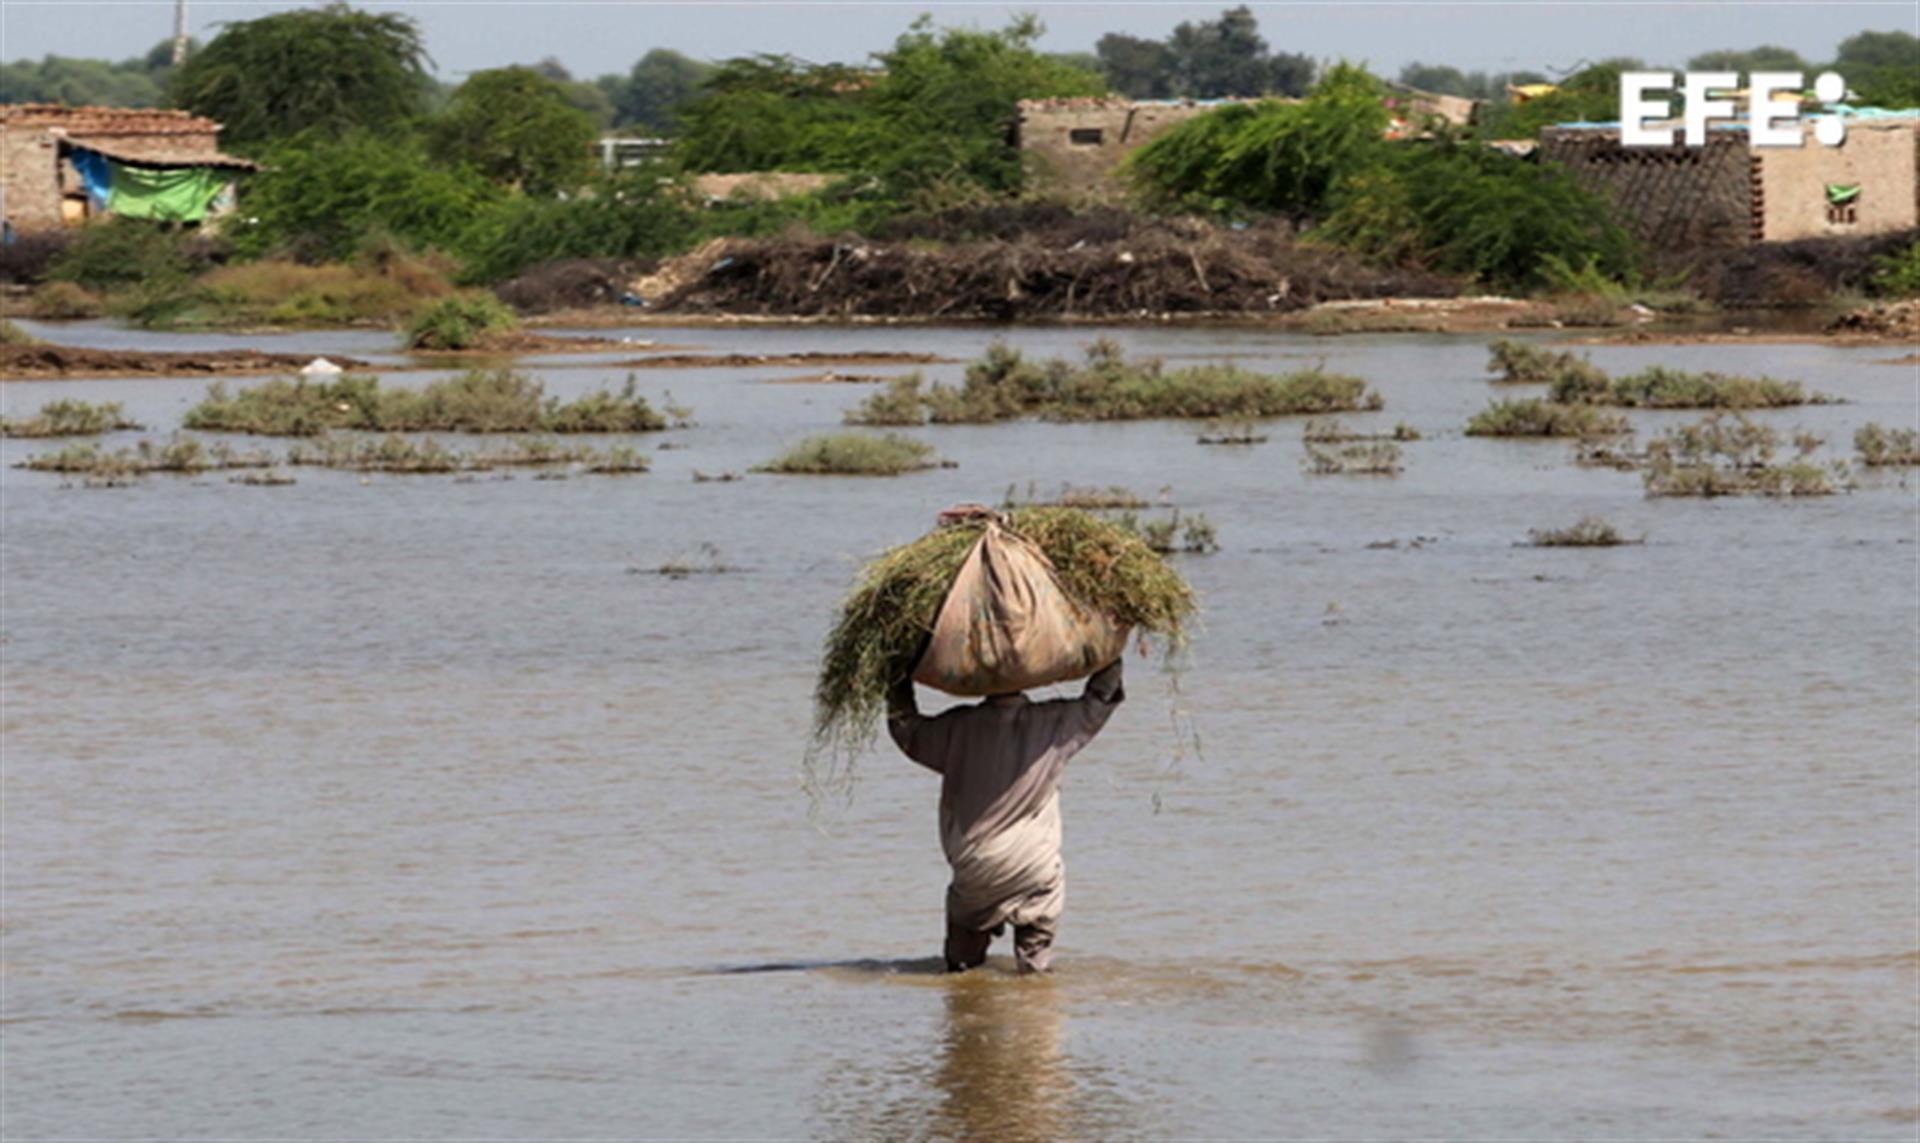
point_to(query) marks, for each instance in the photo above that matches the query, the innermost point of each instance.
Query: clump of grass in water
(1537, 418)
(397, 454)
(69, 419)
(183, 455)
(705, 561)
(464, 321)
(1589, 532)
(1880, 446)
(1379, 458)
(1658, 387)
(1175, 534)
(1089, 499)
(478, 401)
(1233, 432)
(1729, 455)
(1004, 386)
(885, 622)
(1333, 432)
(1518, 363)
(855, 454)
(618, 460)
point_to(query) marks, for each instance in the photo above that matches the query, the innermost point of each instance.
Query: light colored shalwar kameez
(1000, 763)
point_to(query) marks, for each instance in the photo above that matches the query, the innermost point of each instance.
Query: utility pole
(179, 32)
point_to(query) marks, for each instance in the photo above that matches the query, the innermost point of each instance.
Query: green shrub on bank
(1520, 363)
(463, 321)
(64, 301)
(855, 454)
(479, 401)
(11, 334)
(1004, 385)
(1897, 275)
(124, 253)
(1537, 418)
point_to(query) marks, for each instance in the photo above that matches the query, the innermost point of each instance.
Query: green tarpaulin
(180, 194)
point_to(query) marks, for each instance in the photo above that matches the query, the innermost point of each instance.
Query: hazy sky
(594, 36)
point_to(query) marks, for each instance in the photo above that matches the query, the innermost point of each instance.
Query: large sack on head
(1008, 625)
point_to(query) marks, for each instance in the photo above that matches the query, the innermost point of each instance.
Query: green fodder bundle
(886, 622)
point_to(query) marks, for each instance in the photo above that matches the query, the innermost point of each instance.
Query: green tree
(319, 197)
(137, 82)
(1229, 57)
(333, 70)
(944, 106)
(774, 113)
(1882, 68)
(1136, 67)
(1766, 57)
(1281, 157)
(516, 127)
(1591, 94)
(661, 82)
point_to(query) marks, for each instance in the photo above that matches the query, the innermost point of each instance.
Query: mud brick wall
(1072, 149)
(1880, 158)
(1670, 198)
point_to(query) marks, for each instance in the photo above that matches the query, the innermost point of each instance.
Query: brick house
(48, 151)
(1728, 193)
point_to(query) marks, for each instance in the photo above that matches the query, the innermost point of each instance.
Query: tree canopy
(331, 70)
(1207, 59)
(517, 128)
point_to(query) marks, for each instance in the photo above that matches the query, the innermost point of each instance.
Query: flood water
(409, 807)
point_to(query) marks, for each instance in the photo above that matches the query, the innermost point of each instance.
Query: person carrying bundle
(1005, 625)
(1000, 763)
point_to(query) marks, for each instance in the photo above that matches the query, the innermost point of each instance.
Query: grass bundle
(1589, 532)
(69, 419)
(885, 623)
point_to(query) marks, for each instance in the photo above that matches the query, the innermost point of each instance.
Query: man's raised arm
(918, 737)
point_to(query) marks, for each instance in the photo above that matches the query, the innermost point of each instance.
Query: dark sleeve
(918, 737)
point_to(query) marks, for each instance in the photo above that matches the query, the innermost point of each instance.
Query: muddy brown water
(400, 807)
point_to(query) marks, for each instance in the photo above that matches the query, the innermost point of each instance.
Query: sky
(595, 36)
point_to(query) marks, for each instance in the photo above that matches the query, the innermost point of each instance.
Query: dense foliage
(515, 127)
(1207, 59)
(331, 70)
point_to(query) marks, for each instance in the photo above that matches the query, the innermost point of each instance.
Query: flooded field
(419, 806)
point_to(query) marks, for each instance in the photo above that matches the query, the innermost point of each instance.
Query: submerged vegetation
(1534, 417)
(855, 454)
(478, 401)
(884, 624)
(1520, 363)
(1880, 446)
(392, 453)
(1658, 387)
(1729, 455)
(1334, 432)
(183, 455)
(69, 418)
(1589, 532)
(1377, 458)
(1003, 385)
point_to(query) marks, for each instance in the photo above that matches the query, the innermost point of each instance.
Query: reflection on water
(999, 1071)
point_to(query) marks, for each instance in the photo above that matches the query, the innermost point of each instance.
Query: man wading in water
(1000, 763)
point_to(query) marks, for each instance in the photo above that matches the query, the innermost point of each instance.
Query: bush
(631, 216)
(1897, 275)
(62, 301)
(1732, 456)
(1590, 532)
(30, 256)
(1003, 385)
(855, 454)
(1537, 418)
(381, 288)
(479, 401)
(464, 321)
(1658, 387)
(119, 253)
(1378, 458)
(11, 334)
(1520, 363)
(1880, 446)
(69, 418)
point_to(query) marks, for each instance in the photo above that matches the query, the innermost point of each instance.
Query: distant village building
(60, 166)
(1073, 148)
(1729, 193)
